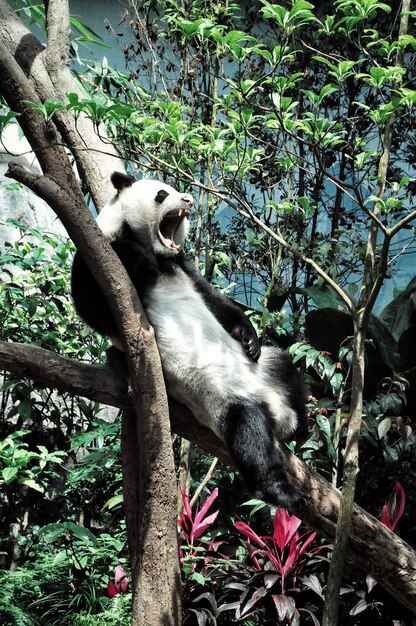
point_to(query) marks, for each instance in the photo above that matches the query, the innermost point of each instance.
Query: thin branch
(247, 212)
(373, 278)
(401, 224)
(205, 481)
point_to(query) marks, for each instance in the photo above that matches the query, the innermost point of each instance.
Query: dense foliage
(275, 115)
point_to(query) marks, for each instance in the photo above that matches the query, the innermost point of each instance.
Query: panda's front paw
(251, 347)
(248, 340)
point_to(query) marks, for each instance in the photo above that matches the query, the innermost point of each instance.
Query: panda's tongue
(168, 228)
(169, 243)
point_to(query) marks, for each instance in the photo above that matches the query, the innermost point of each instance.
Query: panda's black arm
(230, 316)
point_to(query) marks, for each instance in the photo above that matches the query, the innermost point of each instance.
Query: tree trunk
(48, 73)
(351, 468)
(371, 546)
(156, 582)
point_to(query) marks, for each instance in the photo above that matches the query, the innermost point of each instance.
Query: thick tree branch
(49, 77)
(156, 497)
(16, 89)
(396, 571)
(59, 31)
(51, 370)
(155, 520)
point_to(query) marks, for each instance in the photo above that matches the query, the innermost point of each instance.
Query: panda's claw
(248, 339)
(251, 347)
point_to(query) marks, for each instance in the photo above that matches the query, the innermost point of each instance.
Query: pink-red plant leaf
(120, 580)
(185, 525)
(200, 527)
(253, 552)
(257, 595)
(112, 589)
(204, 509)
(394, 507)
(186, 504)
(310, 536)
(283, 606)
(270, 579)
(285, 526)
(245, 529)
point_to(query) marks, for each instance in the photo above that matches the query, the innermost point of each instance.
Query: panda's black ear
(121, 180)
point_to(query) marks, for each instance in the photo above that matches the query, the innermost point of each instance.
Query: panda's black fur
(211, 356)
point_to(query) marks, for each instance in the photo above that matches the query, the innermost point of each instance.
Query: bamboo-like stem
(205, 481)
(373, 277)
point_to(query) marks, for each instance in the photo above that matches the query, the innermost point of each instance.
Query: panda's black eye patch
(161, 195)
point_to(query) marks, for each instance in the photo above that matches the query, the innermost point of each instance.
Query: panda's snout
(188, 199)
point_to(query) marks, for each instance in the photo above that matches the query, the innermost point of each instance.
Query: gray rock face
(17, 202)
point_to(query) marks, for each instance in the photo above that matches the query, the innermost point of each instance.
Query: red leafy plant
(193, 526)
(119, 584)
(273, 566)
(200, 560)
(394, 507)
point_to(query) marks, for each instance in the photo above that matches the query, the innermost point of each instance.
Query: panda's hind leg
(249, 436)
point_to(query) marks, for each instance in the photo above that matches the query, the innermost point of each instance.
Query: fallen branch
(369, 539)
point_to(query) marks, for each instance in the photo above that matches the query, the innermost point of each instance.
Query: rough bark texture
(351, 468)
(156, 583)
(48, 73)
(371, 546)
(26, 75)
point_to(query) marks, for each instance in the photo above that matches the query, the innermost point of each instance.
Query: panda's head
(148, 210)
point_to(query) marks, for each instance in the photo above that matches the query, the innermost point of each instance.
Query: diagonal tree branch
(49, 78)
(395, 571)
(154, 520)
(153, 461)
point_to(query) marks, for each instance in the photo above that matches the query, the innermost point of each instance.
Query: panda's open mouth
(169, 225)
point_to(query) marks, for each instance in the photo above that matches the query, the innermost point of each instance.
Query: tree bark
(371, 546)
(156, 578)
(156, 584)
(47, 72)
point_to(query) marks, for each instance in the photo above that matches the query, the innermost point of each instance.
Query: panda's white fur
(208, 349)
(211, 362)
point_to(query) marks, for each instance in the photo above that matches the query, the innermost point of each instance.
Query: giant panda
(211, 356)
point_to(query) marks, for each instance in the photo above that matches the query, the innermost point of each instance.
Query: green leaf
(25, 410)
(113, 502)
(325, 429)
(53, 531)
(385, 342)
(9, 474)
(82, 533)
(29, 482)
(384, 427)
(32, 307)
(323, 297)
(88, 34)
